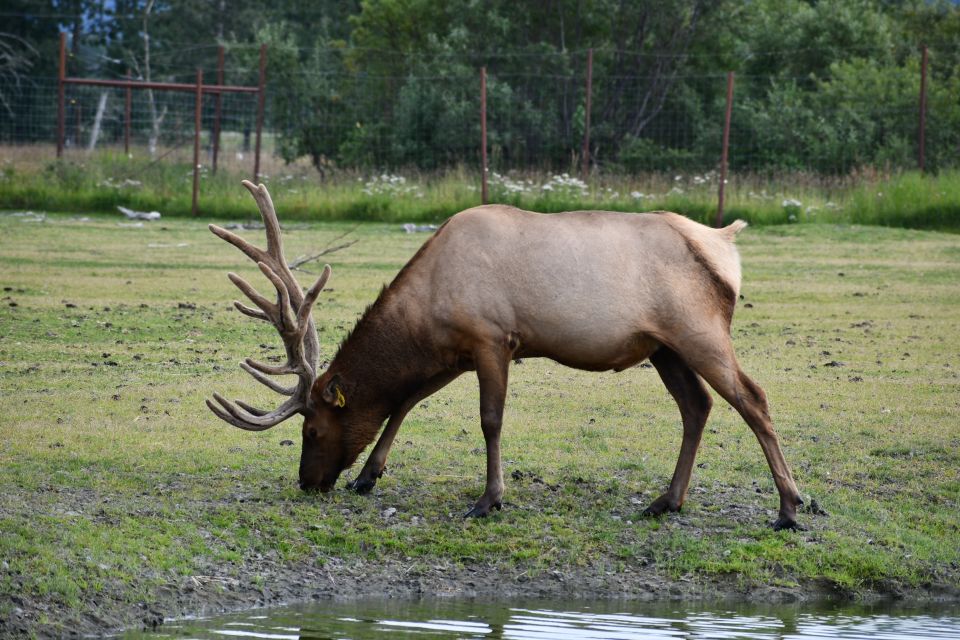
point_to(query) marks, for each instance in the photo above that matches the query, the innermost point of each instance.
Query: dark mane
(370, 313)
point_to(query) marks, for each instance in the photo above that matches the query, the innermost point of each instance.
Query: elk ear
(333, 392)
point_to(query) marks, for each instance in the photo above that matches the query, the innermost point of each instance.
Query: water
(449, 619)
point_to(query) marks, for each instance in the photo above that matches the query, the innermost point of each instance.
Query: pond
(441, 619)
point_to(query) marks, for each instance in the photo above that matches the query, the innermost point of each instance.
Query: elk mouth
(324, 486)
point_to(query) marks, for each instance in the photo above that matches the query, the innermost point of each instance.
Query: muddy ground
(215, 590)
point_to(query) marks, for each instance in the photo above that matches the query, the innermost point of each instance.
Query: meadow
(30, 179)
(123, 500)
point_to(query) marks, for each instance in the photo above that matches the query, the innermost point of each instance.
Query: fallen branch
(296, 263)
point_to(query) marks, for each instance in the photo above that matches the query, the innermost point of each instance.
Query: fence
(34, 117)
(538, 116)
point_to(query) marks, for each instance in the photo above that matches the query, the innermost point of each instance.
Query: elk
(592, 290)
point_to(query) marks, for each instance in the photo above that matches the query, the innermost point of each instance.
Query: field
(123, 500)
(99, 182)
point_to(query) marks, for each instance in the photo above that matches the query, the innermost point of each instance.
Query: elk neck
(381, 363)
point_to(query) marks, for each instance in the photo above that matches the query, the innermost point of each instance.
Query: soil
(284, 583)
(298, 583)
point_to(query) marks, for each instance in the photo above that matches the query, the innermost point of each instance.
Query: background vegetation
(106, 180)
(823, 87)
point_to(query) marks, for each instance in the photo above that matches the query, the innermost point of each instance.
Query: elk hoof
(659, 507)
(784, 522)
(362, 484)
(482, 511)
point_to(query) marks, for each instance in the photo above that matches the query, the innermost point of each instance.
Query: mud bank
(290, 584)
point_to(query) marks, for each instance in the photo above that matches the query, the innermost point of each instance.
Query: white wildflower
(391, 185)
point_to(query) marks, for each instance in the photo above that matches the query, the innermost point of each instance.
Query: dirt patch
(258, 580)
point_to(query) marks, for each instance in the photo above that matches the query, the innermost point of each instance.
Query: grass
(30, 179)
(116, 482)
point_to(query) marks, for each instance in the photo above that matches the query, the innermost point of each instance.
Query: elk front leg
(377, 461)
(373, 468)
(492, 373)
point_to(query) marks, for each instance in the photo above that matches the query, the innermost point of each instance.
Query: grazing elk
(589, 289)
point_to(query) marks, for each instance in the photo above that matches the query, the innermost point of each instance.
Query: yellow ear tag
(341, 400)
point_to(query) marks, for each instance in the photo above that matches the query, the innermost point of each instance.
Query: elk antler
(291, 317)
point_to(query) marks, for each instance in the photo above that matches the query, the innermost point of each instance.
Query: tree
(16, 58)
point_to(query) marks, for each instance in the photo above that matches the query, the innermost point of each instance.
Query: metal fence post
(260, 106)
(483, 135)
(127, 108)
(198, 106)
(724, 150)
(921, 142)
(586, 125)
(217, 101)
(61, 95)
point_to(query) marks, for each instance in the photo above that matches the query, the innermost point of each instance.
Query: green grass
(29, 179)
(116, 481)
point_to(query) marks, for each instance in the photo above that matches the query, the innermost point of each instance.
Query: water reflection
(441, 619)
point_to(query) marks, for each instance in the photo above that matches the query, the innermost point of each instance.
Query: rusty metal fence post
(197, 108)
(922, 134)
(483, 135)
(585, 156)
(217, 105)
(260, 106)
(725, 150)
(127, 108)
(61, 95)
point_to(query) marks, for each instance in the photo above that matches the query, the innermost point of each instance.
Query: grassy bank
(101, 182)
(120, 492)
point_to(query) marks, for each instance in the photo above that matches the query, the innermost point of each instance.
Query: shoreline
(206, 596)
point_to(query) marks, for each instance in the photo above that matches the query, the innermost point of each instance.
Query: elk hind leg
(694, 402)
(717, 365)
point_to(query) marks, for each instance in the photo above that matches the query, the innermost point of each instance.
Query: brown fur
(395, 359)
(372, 310)
(725, 294)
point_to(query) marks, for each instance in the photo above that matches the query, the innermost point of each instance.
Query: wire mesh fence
(160, 122)
(428, 119)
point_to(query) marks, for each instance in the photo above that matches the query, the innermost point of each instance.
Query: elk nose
(307, 486)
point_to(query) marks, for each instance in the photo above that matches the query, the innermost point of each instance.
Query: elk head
(322, 457)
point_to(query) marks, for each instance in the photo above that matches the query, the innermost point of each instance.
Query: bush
(643, 155)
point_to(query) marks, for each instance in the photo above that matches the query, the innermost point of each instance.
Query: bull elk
(591, 290)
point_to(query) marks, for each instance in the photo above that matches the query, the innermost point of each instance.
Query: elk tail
(731, 230)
